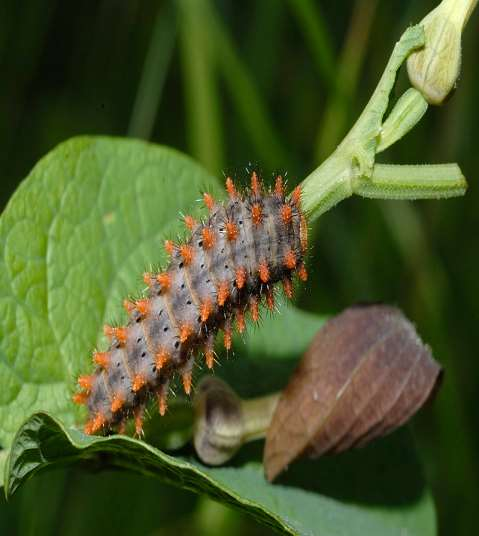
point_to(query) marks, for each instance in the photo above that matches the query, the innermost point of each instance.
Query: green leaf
(75, 238)
(376, 490)
(119, 502)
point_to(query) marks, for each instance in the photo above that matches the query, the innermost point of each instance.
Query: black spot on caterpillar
(228, 266)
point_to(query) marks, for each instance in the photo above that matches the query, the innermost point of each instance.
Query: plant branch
(352, 169)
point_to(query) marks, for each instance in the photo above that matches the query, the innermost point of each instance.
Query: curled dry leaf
(365, 374)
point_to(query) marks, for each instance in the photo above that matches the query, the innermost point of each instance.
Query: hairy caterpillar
(228, 266)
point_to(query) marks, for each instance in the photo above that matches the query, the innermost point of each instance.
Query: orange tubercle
(223, 293)
(185, 332)
(80, 398)
(286, 214)
(288, 287)
(186, 252)
(209, 352)
(255, 183)
(302, 273)
(209, 358)
(256, 213)
(102, 359)
(208, 238)
(116, 403)
(290, 260)
(209, 201)
(88, 428)
(230, 187)
(278, 186)
(95, 424)
(263, 272)
(186, 378)
(169, 247)
(227, 336)
(139, 421)
(162, 402)
(190, 222)
(164, 279)
(270, 299)
(161, 358)
(98, 422)
(231, 231)
(240, 322)
(206, 308)
(148, 278)
(138, 382)
(119, 333)
(128, 305)
(108, 331)
(86, 382)
(296, 196)
(143, 306)
(240, 277)
(254, 308)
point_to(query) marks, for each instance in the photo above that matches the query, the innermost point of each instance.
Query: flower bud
(224, 422)
(219, 423)
(434, 69)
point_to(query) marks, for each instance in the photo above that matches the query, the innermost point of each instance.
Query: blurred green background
(278, 83)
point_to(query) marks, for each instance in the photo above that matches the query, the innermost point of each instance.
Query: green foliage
(352, 494)
(75, 237)
(74, 502)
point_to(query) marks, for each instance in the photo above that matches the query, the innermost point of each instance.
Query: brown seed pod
(364, 375)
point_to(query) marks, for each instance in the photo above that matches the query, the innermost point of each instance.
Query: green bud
(434, 69)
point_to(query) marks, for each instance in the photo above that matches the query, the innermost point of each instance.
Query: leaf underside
(75, 238)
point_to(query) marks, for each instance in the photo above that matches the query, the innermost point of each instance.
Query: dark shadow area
(386, 472)
(250, 377)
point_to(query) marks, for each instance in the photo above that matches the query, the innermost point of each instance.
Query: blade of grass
(335, 118)
(203, 109)
(263, 42)
(248, 103)
(154, 73)
(315, 31)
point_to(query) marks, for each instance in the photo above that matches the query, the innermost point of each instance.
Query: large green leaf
(374, 491)
(76, 497)
(75, 238)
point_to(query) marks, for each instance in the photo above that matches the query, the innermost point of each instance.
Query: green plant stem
(257, 415)
(352, 169)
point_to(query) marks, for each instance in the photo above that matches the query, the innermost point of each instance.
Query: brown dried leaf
(365, 374)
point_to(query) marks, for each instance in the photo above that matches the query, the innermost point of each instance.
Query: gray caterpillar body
(230, 263)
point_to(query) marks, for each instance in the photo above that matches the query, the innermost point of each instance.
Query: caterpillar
(229, 265)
